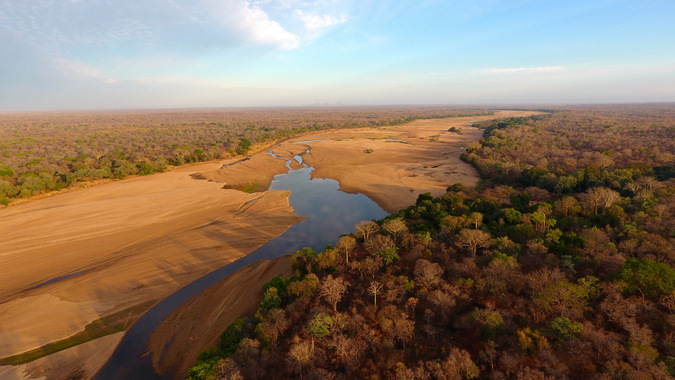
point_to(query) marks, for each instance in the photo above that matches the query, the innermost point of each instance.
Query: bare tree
(374, 288)
(661, 210)
(489, 354)
(332, 290)
(346, 243)
(378, 243)
(366, 228)
(404, 328)
(428, 273)
(300, 355)
(348, 350)
(594, 196)
(633, 187)
(472, 240)
(228, 369)
(648, 183)
(668, 302)
(609, 196)
(459, 365)
(539, 279)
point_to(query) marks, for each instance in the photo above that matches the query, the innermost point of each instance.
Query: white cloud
(315, 22)
(151, 23)
(523, 70)
(254, 25)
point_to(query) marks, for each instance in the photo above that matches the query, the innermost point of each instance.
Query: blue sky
(96, 54)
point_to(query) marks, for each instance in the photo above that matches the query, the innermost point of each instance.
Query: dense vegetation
(42, 152)
(577, 149)
(560, 265)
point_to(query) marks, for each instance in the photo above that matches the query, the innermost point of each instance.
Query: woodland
(559, 264)
(45, 152)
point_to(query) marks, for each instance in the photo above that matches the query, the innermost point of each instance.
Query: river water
(329, 212)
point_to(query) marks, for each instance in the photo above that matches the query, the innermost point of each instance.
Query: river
(329, 213)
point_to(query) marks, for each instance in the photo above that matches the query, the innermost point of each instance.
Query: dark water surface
(329, 212)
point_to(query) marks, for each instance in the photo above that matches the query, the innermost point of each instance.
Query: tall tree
(374, 288)
(346, 243)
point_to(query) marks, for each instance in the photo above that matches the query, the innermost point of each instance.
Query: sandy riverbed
(132, 242)
(393, 165)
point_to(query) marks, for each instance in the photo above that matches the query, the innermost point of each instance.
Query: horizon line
(337, 106)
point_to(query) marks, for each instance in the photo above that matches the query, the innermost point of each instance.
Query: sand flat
(132, 242)
(393, 165)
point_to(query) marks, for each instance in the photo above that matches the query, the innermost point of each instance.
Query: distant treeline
(573, 150)
(41, 152)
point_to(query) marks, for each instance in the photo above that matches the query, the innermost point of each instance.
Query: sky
(131, 54)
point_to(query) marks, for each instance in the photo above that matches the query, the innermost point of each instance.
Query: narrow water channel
(329, 212)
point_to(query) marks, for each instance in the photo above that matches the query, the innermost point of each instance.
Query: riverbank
(202, 319)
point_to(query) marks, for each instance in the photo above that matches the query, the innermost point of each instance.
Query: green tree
(304, 261)
(563, 329)
(145, 168)
(270, 300)
(279, 282)
(645, 276)
(319, 327)
(201, 370)
(512, 216)
(491, 321)
(230, 338)
(244, 146)
(389, 255)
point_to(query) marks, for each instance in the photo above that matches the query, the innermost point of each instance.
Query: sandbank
(125, 244)
(392, 165)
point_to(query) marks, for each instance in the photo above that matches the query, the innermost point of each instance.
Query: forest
(44, 152)
(559, 264)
